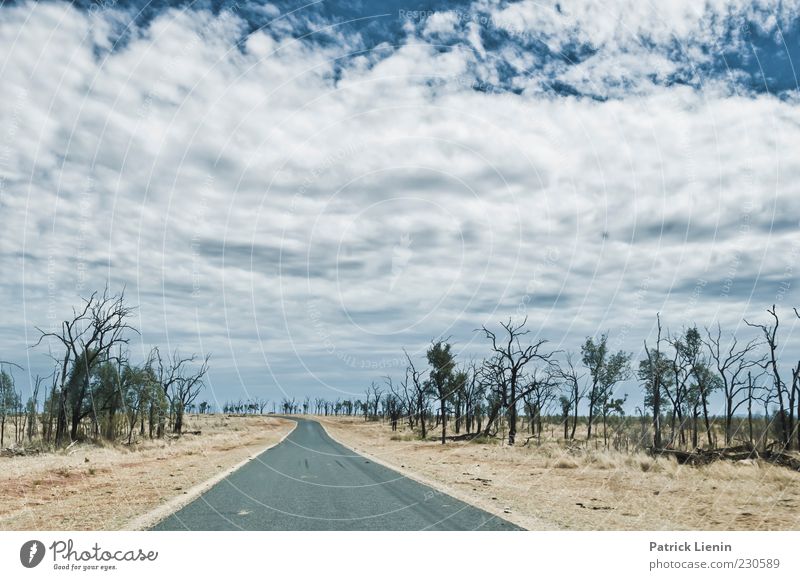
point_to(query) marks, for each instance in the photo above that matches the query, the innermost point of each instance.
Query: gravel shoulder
(90, 487)
(549, 487)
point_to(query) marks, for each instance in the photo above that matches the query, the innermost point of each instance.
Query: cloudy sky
(302, 189)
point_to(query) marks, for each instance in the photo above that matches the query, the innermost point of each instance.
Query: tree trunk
(490, 419)
(77, 404)
(61, 421)
(130, 430)
(782, 411)
(151, 420)
(707, 423)
(798, 420)
(574, 421)
(444, 419)
(728, 420)
(111, 431)
(657, 413)
(512, 411)
(178, 419)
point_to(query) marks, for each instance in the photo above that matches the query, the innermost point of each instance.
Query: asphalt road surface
(310, 482)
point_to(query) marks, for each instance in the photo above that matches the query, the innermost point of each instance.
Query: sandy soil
(549, 487)
(105, 488)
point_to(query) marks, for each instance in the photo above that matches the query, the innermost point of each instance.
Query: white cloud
(262, 203)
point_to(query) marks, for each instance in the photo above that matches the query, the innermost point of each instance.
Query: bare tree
(770, 333)
(188, 387)
(755, 393)
(540, 390)
(180, 385)
(572, 380)
(654, 372)
(686, 350)
(374, 395)
(421, 392)
(87, 337)
(393, 403)
(473, 393)
(288, 405)
(511, 357)
(733, 364)
(399, 400)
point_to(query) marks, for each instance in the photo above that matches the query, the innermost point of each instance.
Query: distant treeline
(522, 380)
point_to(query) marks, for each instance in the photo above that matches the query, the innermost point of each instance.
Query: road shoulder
(162, 512)
(527, 523)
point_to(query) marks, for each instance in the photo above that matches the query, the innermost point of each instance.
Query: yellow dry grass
(89, 487)
(550, 487)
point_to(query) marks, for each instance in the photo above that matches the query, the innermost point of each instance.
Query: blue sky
(304, 189)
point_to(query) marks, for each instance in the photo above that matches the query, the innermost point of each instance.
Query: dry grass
(104, 487)
(550, 487)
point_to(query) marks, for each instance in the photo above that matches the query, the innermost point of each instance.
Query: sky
(303, 189)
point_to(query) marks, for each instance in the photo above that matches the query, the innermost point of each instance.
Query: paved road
(310, 482)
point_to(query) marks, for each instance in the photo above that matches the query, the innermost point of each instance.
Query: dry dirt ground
(106, 487)
(549, 487)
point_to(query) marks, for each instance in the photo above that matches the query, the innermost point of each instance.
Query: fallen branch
(738, 453)
(19, 451)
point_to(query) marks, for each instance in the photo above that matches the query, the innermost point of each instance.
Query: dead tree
(399, 401)
(512, 359)
(686, 352)
(770, 333)
(566, 406)
(473, 393)
(288, 405)
(180, 385)
(374, 395)
(393, 404)
(733, 365)
(494, 386)
(756, 393)
(573, 383)
(421, 392)
(87, 338)
(538, 391)
(652, 372)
